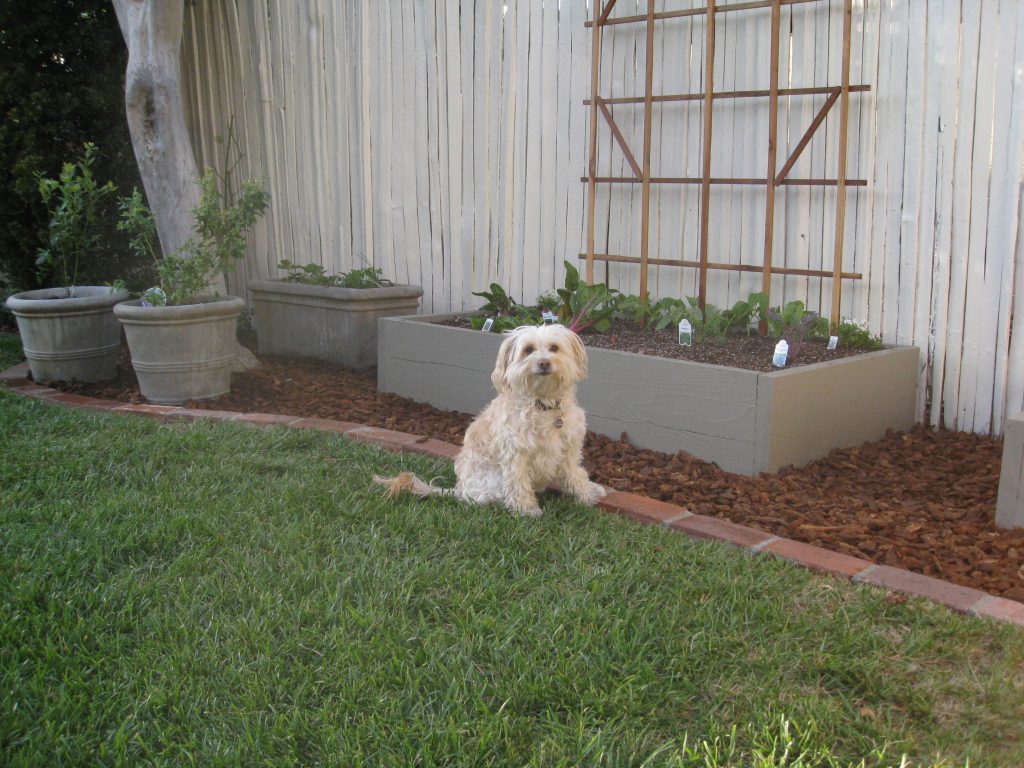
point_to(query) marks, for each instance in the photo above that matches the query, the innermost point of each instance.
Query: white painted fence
(445, 141)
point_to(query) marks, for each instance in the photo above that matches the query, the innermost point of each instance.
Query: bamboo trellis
(774, 177)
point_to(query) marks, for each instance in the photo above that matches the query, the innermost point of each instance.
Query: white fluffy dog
(531, 435)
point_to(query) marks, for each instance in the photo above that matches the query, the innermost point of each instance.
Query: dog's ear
(579, 355)
(506, 353)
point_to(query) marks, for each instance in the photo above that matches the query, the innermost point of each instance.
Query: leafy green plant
(77, 205)
(857, 336)
(633, 309)
(795, 324)
(367, 277)
(585, 306)
(314, 274)
(497, 300)
(519, 315)
(669, 312)
(217, 242)
(548, 301)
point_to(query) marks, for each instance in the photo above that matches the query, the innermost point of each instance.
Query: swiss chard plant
(585, 306)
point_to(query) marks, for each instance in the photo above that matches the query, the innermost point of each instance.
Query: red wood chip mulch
(921, 500)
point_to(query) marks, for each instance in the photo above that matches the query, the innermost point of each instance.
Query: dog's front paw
(528, 511)
(592, 493)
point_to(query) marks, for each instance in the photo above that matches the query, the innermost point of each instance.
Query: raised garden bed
(745, 421)
(326, 322)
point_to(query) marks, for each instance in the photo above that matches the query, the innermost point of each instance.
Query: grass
(10, 350)
(223, 595)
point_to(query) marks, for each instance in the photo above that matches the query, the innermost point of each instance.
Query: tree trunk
(152, 31)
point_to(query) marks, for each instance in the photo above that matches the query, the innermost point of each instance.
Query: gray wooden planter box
(744, 421)
(336, 324)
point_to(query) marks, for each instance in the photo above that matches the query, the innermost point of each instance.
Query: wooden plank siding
(444, 141)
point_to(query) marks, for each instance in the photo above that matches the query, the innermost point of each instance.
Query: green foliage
(633, 309)
(517, 316)
(794, 323)
(216, 244)
(857, 336)
(314, 274)
(79, 209)
(497, 300)
(585, 306)
(62, 70)
(549, 301)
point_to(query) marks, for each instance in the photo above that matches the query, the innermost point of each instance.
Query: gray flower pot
(73, 338)
(184, 352)
(336, 324)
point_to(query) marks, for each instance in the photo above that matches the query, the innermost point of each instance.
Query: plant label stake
(685, 333)
(487, 325)
(781, 352)
(549, 317)
(833, 342)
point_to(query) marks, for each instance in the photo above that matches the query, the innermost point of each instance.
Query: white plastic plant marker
(781, 352)
(685, 333)
(549, 317)
(488, 323)
(833, 342)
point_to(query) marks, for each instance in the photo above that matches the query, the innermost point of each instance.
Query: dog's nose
(544, 365)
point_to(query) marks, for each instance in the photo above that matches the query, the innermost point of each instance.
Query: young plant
(633, 309)
(587, 306)
(794, 323)
(669, 312)
(314, 274)
(548, 301)
(367, 277)
(497, 300)
(78, 218)
(216, 244)
(857, 336)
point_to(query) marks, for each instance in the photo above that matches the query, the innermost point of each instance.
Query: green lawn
(224, 595)
(10, 350)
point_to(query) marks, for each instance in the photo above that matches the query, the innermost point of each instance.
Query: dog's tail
(408, 482)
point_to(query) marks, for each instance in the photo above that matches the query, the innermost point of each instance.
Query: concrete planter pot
(68, 339)
(744, 421)
(183, 352)
(336, 324)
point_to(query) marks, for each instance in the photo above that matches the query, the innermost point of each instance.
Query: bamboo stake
(844, 129)
(705, 196)
(773, 130)
(595, 73)
(645, 195)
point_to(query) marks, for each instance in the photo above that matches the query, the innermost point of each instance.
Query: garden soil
(923, 500)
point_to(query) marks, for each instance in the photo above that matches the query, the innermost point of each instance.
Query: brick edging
(639, 508)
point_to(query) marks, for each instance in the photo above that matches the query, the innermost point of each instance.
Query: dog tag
(685, 333)
(488, 323)
(781, 352)
(549, 317)
(833, 342)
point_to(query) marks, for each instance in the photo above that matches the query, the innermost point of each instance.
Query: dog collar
(557, 406)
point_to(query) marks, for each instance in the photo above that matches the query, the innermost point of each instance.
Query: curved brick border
(638, 508)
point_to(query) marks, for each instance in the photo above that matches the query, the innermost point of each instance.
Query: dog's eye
(528, 349)
(553, 348)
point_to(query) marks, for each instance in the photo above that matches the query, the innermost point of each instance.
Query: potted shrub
(69, 332)
(331, 317)
(181, 338)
